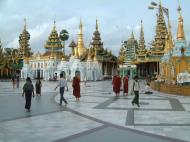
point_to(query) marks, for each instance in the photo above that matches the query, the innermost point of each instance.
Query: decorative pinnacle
(132, 35)
(179, 8)
(24, 23)
(96, 24)
(80, 26)
(54, 24)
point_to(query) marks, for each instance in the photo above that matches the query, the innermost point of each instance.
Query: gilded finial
(96, 24)
(25, 23)
(141, 40)
(80, 26)
(132, 35)
(54, 24)
(179, 8)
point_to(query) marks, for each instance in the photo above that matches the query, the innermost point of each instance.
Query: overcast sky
(117, 19)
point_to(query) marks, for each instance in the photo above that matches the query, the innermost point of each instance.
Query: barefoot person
(62, 84)
(28, 90)
(13, 81)
(116, 82)
(38, 87)
(125, 85)
(135, 89)
(76, 85)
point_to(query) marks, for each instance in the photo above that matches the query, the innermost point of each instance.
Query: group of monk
(117, 82)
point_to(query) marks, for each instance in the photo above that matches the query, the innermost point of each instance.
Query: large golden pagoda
(53, 45)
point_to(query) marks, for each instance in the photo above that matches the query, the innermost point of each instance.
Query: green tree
(64, 35)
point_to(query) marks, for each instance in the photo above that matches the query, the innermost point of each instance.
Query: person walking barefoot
(135, 89)
(76, 86)
(62, 84)
(28, 90)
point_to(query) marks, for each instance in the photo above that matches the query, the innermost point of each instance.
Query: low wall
(170, 89)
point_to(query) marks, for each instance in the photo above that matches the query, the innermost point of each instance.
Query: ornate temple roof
(96, 40)
(161, 32)
(53, 45)
(24, 38)
(53, 40)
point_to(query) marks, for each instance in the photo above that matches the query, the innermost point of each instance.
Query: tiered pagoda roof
(158, 44)
(131, 46)
(98, 53)
(141, 50)
(53, 45)
(96, 40)
(25, 50)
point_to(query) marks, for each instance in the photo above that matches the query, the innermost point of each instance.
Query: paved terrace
(99, 116)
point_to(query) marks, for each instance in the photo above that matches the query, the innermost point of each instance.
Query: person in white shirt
(147, 89)
(62, 84)
(135, 89)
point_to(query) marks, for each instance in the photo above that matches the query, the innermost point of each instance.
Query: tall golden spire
(180, 30)
(80, 42)
(142, 41)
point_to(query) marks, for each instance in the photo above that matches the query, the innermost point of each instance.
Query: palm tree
(64, 35)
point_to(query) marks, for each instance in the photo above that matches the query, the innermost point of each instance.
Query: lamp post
(154, 5)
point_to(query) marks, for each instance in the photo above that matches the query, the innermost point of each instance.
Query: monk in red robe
(116, 84)
(125, 85)
(76, 86)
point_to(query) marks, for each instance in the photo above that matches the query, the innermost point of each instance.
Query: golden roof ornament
(97, 24)
(180, 30)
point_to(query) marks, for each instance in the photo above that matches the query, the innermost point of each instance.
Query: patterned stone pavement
(99, 116)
